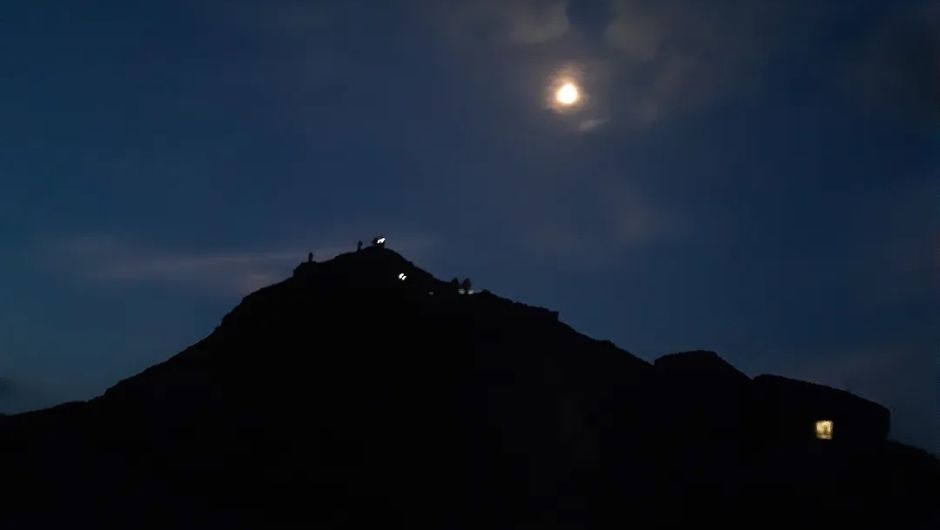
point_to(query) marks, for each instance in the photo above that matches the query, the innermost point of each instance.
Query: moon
(568, 94)
(564, 91)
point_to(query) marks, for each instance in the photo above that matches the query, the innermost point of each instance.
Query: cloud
(516, 21)
(287, 18)
(643, 60)
(613, 218)
(110, 259)
(106, 258)
(591, 124)
(19, 396)
(677, 55)
(639, 36)
(295, 19)
(894, 73)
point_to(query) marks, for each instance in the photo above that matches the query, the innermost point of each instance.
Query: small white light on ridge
(402, 276)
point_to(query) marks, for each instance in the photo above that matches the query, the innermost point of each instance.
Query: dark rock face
(350, 396)
(703, 399)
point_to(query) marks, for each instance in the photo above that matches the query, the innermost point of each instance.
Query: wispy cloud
(652, 58)
(515, 21)
(19, 396)
(894, 71)
(106, 258)
(676, 55)
(591, 124)
(616, 218)
(111, 259)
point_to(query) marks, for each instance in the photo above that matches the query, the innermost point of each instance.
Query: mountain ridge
(364, 391)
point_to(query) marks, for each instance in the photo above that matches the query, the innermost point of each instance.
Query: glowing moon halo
(567, 94)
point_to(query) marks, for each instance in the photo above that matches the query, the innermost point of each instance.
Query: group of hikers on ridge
(376, 242)
(461, 287)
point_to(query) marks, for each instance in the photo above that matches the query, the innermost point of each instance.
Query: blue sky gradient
(749, 177)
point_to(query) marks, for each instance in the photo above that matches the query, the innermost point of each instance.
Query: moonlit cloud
(591, 124)
(651, 60)
(538, 21)
(639, 37)
(676, 56)
(515, 21)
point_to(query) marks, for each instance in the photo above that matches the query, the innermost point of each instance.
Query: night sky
(758, 178)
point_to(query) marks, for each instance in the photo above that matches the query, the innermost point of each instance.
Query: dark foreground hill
(348, 397)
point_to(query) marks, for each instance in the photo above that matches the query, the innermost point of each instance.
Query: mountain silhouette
(362, 392)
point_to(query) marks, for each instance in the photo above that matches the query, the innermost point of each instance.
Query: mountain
(363, 392)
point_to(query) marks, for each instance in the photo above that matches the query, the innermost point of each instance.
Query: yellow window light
(824, 429)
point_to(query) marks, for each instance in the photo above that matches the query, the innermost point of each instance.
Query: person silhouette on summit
(309, 257)
(359, 246)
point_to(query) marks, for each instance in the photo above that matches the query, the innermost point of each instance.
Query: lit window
(824, 429)
(402, 276)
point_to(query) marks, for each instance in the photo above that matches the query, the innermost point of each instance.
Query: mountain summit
(363, 392)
